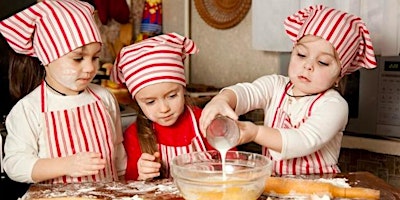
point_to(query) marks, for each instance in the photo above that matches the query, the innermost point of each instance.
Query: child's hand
(212, 109)
(248, 131)
(84, 164)
(148, 166)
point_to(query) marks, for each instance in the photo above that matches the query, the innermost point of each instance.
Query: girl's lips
(84, 79)
(303, 78)
(166, 118)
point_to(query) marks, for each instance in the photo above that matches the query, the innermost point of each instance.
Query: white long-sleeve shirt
(317, 123)
(26, 141)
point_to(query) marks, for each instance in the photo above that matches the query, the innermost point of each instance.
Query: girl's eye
(172, 95)
(149, 102)
(78, 59)
(301, 55)
(323, 63)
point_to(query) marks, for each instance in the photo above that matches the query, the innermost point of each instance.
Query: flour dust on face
(74, 71)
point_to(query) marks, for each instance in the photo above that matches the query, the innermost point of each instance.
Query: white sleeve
(258, 94)
(21, 146)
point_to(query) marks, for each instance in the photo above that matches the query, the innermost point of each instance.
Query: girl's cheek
(69, 72)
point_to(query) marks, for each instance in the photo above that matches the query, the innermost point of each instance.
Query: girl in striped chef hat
(304, 116)
(63, 128)
(166, 124)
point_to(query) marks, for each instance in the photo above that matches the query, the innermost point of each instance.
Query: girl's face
(73, 72)
(162, 103)
(313, 66)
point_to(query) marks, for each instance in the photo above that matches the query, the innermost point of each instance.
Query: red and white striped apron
(310, 164)
(169, 152)
(86, 128)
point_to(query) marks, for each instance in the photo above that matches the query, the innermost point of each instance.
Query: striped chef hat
(346, 32)
(154, 60)
(51, 29)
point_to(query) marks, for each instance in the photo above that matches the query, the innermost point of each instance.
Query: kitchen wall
(226, 56)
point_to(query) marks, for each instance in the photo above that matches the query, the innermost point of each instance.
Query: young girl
(166, 125)
(304, 115)
(63, 128)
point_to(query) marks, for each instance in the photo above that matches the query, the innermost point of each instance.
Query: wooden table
(359, 179)
(355, 179)
(368, 180)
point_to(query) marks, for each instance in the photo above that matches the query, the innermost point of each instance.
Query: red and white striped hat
(154, 60)
(51, 29)
(346, 32)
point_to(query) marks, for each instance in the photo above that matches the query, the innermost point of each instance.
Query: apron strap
(196, 128)
(42, 95)
(280, 102)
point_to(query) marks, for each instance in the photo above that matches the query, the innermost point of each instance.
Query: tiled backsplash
(387, 167)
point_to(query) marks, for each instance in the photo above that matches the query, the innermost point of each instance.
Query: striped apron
(169, 152)
(86, 128)
(310, 164)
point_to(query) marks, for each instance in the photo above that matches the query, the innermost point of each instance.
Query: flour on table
(339, 182)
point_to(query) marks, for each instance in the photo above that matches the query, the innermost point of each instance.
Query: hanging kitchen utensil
(222, 14)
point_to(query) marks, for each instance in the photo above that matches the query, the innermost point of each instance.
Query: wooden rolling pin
(292, 186)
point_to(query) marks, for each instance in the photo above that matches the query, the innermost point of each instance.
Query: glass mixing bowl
(199, 175)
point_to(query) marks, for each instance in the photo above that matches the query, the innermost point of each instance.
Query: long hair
(147, 137)
(25, 73)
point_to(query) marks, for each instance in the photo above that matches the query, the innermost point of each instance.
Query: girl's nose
(164, 107)
(308, 65)
(91, 67)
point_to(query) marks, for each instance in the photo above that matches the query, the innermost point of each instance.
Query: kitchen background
(230, 55)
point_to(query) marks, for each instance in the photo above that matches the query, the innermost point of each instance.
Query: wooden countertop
(369, 180)
(355, 179)
(359, 179)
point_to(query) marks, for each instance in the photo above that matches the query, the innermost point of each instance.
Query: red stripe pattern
(71, 131)
(346, 32)
(51, 29)
(310, 164)
(154, 60)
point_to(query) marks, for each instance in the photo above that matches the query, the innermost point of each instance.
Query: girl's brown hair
(146, 134)
(25, 73)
